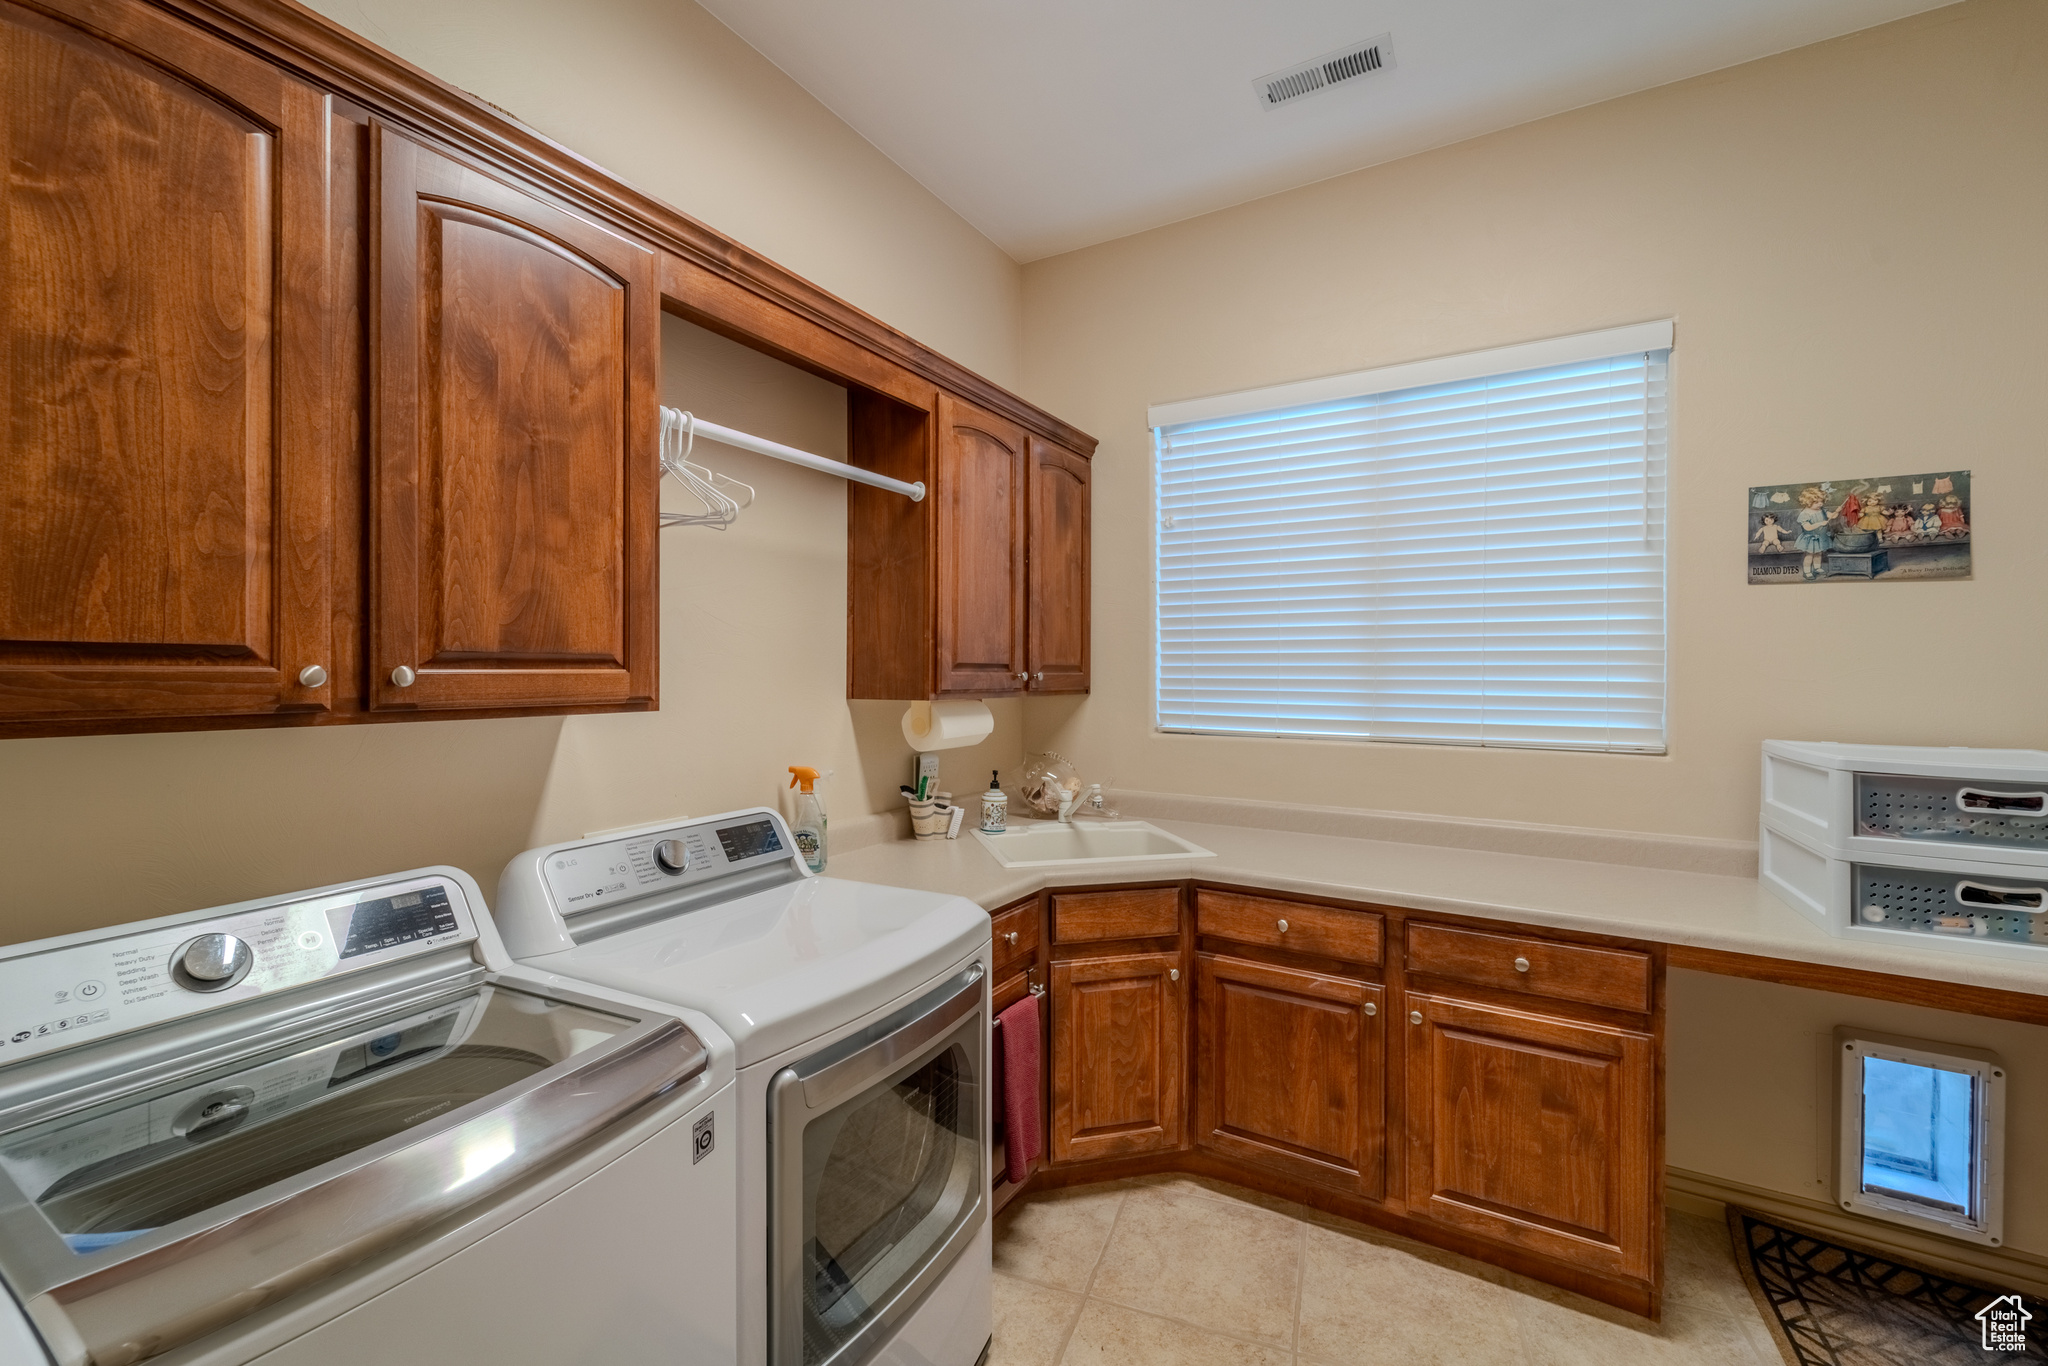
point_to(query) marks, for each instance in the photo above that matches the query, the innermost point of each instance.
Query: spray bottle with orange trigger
(808, 823)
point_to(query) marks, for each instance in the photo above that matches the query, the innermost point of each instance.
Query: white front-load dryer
(860, 1017)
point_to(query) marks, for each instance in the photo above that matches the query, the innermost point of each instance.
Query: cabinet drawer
(1351, 935)
(1015, 934)
(1082, 917)
(1565, 972)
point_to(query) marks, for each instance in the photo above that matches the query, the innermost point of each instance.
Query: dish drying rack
(718, 492)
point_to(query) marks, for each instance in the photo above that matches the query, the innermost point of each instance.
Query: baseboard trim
(1997, 1268)
(1683, 853)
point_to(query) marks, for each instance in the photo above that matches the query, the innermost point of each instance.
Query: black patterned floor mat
(1833, 1305)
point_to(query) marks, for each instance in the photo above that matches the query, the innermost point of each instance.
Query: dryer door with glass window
(878, 1174)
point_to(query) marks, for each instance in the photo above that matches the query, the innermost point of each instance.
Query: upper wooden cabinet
(170, 334)
(1057, 549)
(982, 589)
(980, 497)
(309, 416)
(514, 472)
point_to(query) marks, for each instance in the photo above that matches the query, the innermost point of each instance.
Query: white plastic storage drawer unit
(1905, 844)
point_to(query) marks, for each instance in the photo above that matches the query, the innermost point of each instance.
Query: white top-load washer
(342, 1126)
(860, 1016)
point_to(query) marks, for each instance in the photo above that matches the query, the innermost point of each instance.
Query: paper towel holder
(951, 723)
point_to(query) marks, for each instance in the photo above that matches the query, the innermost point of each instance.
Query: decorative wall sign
(1902, 526)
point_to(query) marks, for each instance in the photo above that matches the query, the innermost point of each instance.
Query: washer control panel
(80, 992)
(589, 877)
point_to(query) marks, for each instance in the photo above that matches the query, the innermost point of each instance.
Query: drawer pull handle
(1371, 1008)
(1521, 965)
(1011, 939)
(1414, 1017)
(1976, 799)
(1173, 974)
(1283, 927)
(2028, 899)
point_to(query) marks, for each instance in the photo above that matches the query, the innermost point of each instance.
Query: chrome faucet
(1093, 795)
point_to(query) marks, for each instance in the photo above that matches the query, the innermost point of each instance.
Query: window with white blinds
(1477, 560)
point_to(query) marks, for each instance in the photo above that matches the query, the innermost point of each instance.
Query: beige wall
(753, 652)
(1849, 237)
(663, 95)
(1751, 1078)
(107, 829)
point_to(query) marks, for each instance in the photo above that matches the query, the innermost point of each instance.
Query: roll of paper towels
(947, 725)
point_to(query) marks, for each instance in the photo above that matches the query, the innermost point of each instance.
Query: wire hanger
(721, 509)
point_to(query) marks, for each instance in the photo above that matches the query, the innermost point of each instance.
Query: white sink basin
(1045, 844)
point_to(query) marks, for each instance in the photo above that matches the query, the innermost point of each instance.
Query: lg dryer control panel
(585, 877)
(543, 892)
(82, 988)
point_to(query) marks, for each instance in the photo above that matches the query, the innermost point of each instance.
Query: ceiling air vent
(1332, 68)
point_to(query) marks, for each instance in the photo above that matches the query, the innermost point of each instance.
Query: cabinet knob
(1521, 965)
(1371, 1008)
(402, 676)
(1414, 1017)
(1011, 939)
(1024, 677)
(1283, 927)
(1173, 974)
(312, 676)
(1038, 677)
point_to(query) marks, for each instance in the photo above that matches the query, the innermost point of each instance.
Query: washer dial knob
(212, 962)
(673, 856)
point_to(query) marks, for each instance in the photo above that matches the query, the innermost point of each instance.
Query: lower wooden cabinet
(1119, 1048)
(1533, 1130)
(1289, 1072)
(1467, 1099)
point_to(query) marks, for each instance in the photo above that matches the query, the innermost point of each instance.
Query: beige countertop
(1703, 910)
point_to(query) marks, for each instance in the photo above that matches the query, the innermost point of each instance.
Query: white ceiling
(1053, 124)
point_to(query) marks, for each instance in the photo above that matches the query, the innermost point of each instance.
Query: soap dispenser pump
(808, 826)
(995, 806)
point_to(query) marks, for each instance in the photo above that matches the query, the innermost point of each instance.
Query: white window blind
(1477, 561)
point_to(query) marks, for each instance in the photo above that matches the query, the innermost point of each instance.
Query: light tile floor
(1182, 1271)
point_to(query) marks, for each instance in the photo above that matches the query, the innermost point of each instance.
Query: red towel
(1020, 1084)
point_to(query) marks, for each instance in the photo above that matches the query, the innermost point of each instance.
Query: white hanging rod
(777, 451)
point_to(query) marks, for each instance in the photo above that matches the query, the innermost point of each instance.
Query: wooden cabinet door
(1056, 606)
(1534, 1131)
(168, 322)
(514, 474)
(981, 505)
(1119, 1035)
(1289, 1072)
